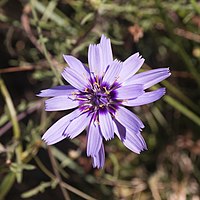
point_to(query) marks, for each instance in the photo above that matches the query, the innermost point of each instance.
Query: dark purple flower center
(98, 97)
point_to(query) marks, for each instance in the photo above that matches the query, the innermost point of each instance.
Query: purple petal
(94, 139)
(120, 130)
(77, 125)
(95, 59)
(150, 77)
(112, 73)
(129, 91)
(75, 79)
(106, 124)
(55, 133)
(99, 159)
(129, 120)
(76, 65)
(134, 142)
(58, 91)
(147, 97)
(127, 136)
(60, 103)
(107, 57)
(130, 66)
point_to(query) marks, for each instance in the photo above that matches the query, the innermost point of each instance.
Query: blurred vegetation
(34, 34)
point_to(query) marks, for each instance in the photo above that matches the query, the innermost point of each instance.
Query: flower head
(100, 93)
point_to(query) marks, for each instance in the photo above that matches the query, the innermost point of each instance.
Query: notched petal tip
(104, 39)
(39, 94)
(98, 167)
(163, 90)
(45, 141)
(137, 54)
(130, 66)
(145, 148)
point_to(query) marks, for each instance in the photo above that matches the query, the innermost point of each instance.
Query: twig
(43, 168)
(16, 69)
(27, 28)
(8, 41)
(65, 185)
(153, 184)
(20, 116)
(39, 45)
(187, 34)
(76, 191)
(181, 32)
(81, 38)
(54, 166)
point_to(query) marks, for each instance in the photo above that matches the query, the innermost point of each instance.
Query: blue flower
(100, 93)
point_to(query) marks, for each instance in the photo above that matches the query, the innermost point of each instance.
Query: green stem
(64, 185)
(181, 108)
(177, 46)
(57, 174)
(41, 39)
(6, 184)
(14, 121)
(195, 5)
(43, 168)
(181, 96)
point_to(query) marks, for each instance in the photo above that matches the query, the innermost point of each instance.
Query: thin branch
(56, 172)
(40, 45)
(65, 185)
(76, 191)
(16, 69)
(20, 116)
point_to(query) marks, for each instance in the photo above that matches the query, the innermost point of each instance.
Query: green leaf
(51, 15)
(6, 184)
(40, 188)
(181, 108)
(87, 18)
(16, 167)
(66, 161)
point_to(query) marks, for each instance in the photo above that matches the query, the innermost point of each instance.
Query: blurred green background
(33, 36)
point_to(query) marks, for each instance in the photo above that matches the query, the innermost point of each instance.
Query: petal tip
(39, 94)
(44, 140)
(65, 56)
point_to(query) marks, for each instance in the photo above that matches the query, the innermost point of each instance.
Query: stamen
(86, 110)
(107, 92)
(97, 80)
(95, 83)
(75, 93)
(97, 121)
(86, 90)
(81, 98)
